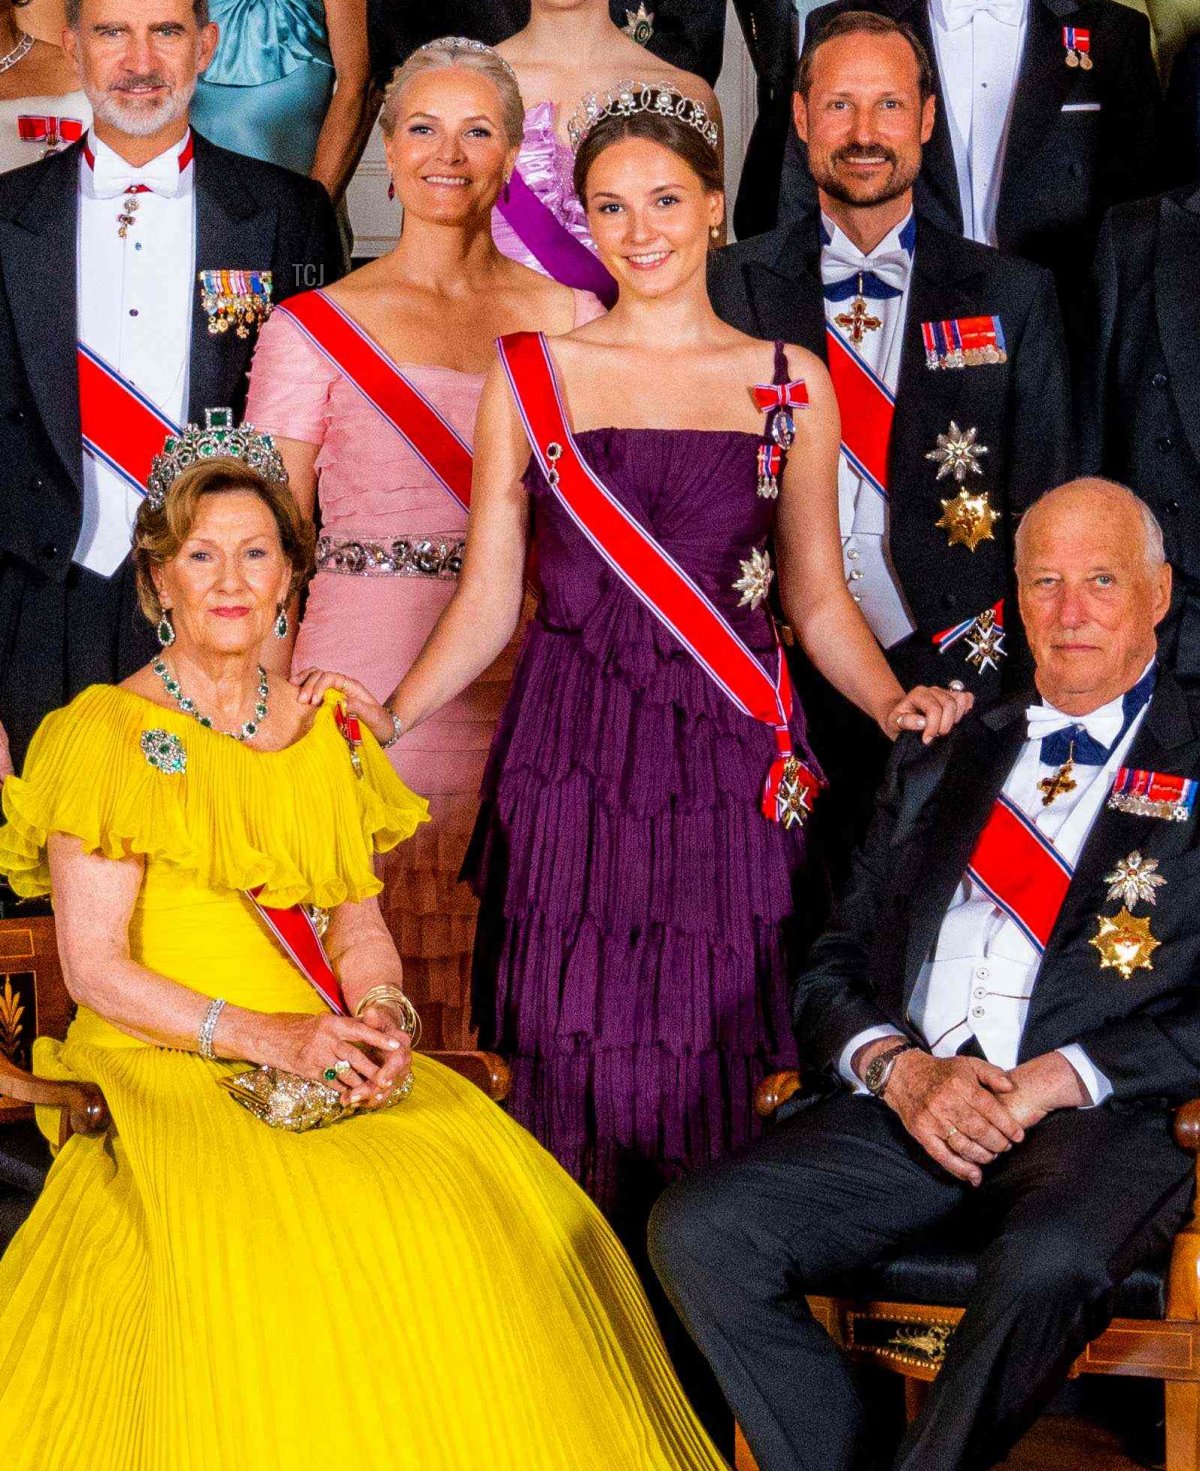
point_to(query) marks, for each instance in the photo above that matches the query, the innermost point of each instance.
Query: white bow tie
(840, 260)
(1102, 725)
(111, 175)
(956, 13)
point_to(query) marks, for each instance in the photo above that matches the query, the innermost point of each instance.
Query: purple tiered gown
(631, 958)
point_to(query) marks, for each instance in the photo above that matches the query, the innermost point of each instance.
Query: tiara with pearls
(628, 98)
(217, 440)
(465, 43)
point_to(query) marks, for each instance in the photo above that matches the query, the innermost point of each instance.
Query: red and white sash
(296, 932)
(377, 378)
(121, 427)
(867, 407)
(1021, 871)
(649, 571)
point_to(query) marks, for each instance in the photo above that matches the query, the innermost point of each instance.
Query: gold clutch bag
(284, 1100)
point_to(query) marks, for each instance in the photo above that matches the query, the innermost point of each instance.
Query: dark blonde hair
(159, 534)
(673, 133)
(864, 23)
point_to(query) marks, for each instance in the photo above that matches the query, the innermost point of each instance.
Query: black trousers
(1064, 1217)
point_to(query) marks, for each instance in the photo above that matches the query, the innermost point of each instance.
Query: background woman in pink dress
(565, 52)
(391, 533)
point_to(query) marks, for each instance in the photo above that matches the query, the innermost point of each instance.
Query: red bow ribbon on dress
(781, 395)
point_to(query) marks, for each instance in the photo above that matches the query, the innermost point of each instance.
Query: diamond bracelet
(208, 1026)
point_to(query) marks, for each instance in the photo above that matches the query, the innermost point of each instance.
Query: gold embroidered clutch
(283, 1100)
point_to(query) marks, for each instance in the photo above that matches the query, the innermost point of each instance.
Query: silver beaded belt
(402, 556)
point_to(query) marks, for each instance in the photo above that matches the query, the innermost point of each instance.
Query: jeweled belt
(439, 556)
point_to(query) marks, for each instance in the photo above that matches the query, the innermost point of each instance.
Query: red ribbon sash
(121, 427)
(34, 127)
(867, 408)
(377, 378)
(1021, 871)
(296, 932)
(643, 565)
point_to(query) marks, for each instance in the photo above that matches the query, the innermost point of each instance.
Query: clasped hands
(377, 1049)
(964, 1112)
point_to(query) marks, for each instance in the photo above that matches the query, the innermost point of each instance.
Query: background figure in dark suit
(103, 243)
(1181, 125)
(1071, 142)
(771, 30)
(690, 34)
(1021, 1062)
(914, 576)
(1141, 408)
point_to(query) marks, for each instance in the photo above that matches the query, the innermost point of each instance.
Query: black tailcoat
(1062, 168)
(1142, 1033)
(771, 287)
(1141, 397)
(60, 626)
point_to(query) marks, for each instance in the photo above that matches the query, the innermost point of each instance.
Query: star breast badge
(1124, 942)
(958, 453)
(639, 25)
(968, 519)
(755, 581)
(1134, 880)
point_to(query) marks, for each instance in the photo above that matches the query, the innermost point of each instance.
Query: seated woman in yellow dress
(412, 1286)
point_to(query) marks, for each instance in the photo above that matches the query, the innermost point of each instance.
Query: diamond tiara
(452, 44)
(629, 98)
(218, 439)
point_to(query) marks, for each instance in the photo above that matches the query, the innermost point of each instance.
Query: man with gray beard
(135, 270)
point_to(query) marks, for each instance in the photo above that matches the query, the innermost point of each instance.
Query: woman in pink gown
(562, 55)
(391, 531)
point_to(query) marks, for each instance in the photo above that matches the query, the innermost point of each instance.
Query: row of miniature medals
(967, 518)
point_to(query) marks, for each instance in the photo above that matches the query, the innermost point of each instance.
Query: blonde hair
(471, 55)
(159, 534)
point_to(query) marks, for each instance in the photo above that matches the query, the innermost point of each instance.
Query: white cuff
(860, 1039)
(1097, 1085)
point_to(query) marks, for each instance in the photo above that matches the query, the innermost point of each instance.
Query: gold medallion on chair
(1124, 942)
(968, 519)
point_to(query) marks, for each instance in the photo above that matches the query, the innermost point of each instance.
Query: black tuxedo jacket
(687, 33)
(1141, 396)
(1062, 169)
(770, 286)
(1181, 117)
(249, 216)
(1142, 1033)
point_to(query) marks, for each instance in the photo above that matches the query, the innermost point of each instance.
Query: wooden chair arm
(487, 1070)
(1187, 1126)
(84, 1110)
(775, 1090)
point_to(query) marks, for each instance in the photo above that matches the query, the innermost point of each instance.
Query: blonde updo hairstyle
(471, 56)
(159, 534)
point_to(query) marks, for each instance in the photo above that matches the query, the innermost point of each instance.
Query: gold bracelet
(388, 995)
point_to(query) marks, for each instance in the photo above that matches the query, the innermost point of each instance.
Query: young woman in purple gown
(631, 958)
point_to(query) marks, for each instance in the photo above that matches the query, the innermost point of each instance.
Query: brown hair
(453, 51)
(159, 534)
(74, 12)
(681, 138)
(864, 23)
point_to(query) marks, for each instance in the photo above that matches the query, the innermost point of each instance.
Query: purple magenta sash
(552, 245)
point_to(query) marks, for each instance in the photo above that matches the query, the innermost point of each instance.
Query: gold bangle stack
(393, 996)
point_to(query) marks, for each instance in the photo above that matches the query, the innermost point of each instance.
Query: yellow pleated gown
(421, 1288)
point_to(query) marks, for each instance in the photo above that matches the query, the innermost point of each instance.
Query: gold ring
(953, 1131)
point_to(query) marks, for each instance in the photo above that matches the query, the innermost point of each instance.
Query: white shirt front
(978, 979)
(862, 511)
(978, 50)
(135, 311)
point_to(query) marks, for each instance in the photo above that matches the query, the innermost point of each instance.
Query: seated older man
(1004, 1014)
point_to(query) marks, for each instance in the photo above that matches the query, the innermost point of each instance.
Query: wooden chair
(902, 1314)
(34, 1003)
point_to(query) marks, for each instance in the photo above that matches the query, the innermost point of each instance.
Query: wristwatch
(879, 1069)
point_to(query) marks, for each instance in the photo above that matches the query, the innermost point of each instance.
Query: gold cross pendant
(1061, 782)
(858, 321)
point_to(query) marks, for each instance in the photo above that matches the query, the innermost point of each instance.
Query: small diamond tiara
(217, 440)
(632, 97)
(451, 44)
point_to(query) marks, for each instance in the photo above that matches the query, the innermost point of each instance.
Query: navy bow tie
(1074, 743)
(867, 284)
